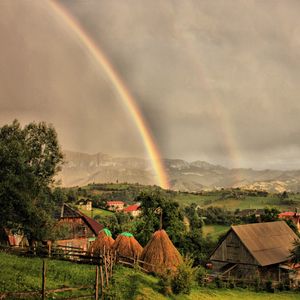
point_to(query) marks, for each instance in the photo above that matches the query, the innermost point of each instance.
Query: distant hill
(81, 169)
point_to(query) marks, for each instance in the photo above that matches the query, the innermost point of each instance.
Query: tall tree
(157, 207)
(29, 159)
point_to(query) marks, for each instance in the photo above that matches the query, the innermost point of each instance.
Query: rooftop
(269, 243)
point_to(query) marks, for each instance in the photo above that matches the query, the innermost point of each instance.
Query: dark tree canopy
(29, 159)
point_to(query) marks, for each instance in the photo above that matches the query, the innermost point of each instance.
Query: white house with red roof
(134, 209)
(115, 205)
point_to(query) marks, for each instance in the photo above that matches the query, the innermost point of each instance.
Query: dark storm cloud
(46, 74)
(203, 72)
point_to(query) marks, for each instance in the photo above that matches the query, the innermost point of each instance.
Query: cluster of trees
(30, 156)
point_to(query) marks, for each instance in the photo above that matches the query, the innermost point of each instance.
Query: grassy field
(130, 284)
(24, 274)
(214, 199)
(96, 211)
(214, 231)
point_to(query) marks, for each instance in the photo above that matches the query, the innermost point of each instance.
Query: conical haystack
(104, 242)
(160, 254)
(126, 245)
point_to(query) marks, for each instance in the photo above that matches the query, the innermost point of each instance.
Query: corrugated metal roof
(269, 243)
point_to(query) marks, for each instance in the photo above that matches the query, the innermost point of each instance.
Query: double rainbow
(120, 87)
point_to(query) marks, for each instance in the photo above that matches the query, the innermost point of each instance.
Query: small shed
(80, 229)
(259, 250)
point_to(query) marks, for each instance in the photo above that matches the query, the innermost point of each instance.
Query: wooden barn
(78, 229)
(260, 250)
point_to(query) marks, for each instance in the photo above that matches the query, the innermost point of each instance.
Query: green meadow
(214, 231)
(24, 274)
(96, 212)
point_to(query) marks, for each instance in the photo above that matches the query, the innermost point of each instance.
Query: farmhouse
(85, 205)
(78, 229)
(115, 205)
(134, 209)
(260, 250)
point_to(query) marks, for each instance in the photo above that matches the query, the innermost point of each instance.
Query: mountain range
(81, 168)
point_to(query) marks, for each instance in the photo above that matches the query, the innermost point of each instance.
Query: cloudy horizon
(215, 80)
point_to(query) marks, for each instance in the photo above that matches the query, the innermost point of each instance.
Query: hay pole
(161, 219)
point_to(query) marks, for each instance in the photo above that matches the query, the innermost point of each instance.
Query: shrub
(219, 283)
(201, 275)
(257, 283)
(165, 284)
(231, 283)
(183, 279)
(268, 286)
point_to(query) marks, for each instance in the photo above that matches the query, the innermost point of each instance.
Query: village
(149, 150)
(249, 255)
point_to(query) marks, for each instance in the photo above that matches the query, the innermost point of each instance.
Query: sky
(215, 80)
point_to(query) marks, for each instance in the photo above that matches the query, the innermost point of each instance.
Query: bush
(183, 279)
(268, 286)
(257, 283)
(165, 284)
(231, 283)
(219, 283)
(201, 275)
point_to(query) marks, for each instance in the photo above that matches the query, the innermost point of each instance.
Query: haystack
(104, 242)
(126, 245)
(160, 254)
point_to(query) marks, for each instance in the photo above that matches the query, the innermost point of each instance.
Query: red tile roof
(287, 214)
(115, 202)
(133, 207)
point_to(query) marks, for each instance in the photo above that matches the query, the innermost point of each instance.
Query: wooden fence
(104, 266)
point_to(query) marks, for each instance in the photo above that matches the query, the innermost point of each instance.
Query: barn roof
(269, 243)
(69, 212)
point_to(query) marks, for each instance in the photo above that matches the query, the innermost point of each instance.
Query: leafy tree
(29, 159)
(192, 214)
(270, 215)
(153, 204)
(295, 252)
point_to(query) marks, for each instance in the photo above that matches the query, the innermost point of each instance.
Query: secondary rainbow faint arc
(123, 91)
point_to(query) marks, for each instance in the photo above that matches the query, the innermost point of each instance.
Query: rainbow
(120, 87)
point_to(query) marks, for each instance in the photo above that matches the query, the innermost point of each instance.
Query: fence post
(97, 283)
(44, 280)
(102, 282)
(106, 272)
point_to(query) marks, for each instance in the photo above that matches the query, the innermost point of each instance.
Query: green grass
(214, 231)
(214, 199)
(96, 211)
(24, 274)
(131, 284)
(237, 294)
